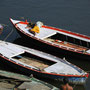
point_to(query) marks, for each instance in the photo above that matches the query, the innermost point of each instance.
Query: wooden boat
(30, 61)
(30, 82)
(64, 42)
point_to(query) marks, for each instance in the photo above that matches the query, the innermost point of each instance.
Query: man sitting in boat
(66, 85)
(35, 27)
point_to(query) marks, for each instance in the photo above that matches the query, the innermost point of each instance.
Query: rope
(8, 35)
(11, 31)
(5, 25)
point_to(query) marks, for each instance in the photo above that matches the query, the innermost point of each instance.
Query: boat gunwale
(49, 43)
(65, 31)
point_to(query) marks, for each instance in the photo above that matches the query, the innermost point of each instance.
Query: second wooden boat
(30, 61)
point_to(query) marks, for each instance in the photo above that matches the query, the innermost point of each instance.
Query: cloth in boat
(36, 29)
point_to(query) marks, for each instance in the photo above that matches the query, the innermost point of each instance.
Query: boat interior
(53, 36)
(67, 41)
(34, 61)
(45, 65)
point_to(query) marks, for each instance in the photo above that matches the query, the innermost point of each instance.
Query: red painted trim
(23, 22)
(72, 33)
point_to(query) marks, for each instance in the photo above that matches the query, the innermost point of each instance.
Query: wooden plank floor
(67, 44)
(35, 63)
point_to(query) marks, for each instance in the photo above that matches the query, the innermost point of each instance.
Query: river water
(72, 15)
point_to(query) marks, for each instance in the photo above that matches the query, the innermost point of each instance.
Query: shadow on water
(83, 64)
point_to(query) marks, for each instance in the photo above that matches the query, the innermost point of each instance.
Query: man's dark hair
(65, 80)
